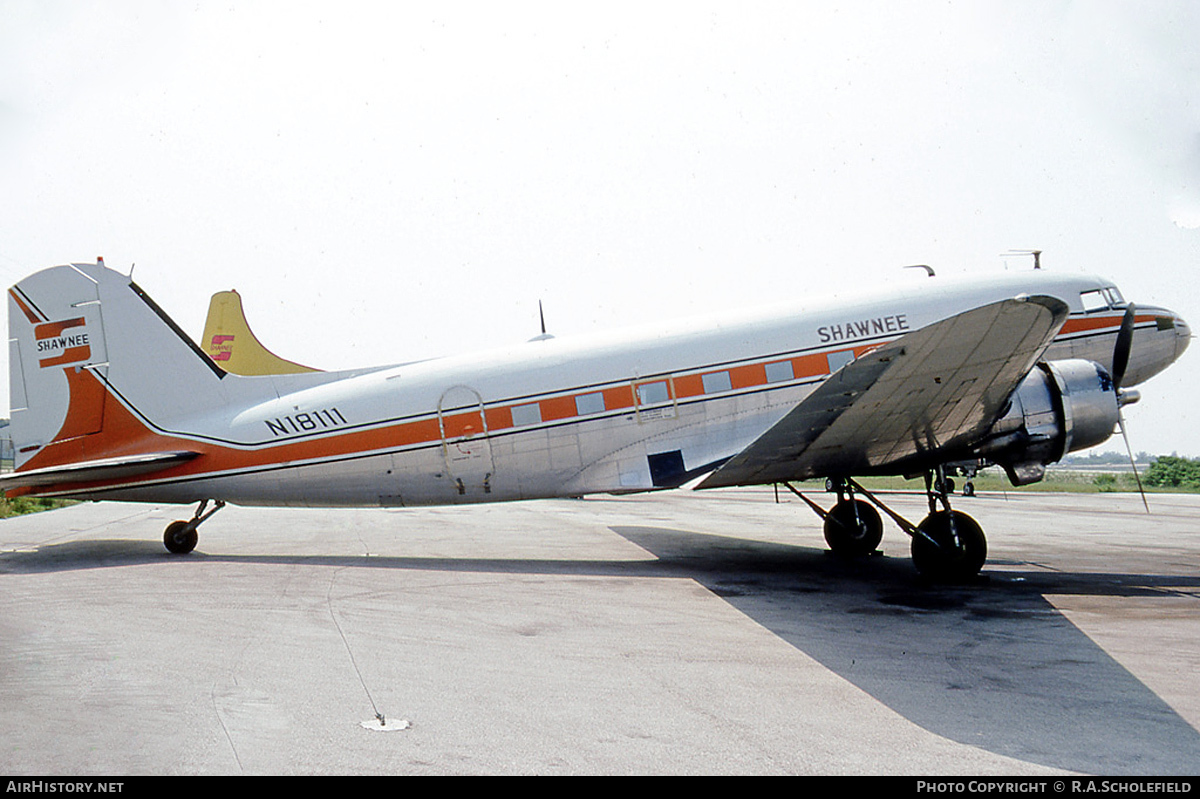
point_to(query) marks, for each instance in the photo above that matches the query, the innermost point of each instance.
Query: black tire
(944, 559)
(968, 489)
(180, 538)
(847, 536)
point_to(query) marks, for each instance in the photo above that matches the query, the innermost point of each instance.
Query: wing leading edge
(918, 399)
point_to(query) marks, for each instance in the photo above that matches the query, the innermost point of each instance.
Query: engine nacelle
(1060, 407)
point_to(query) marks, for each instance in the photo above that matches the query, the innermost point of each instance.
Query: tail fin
(229, 341)
(92, 359)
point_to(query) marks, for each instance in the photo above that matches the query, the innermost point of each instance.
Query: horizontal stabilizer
(105, 469)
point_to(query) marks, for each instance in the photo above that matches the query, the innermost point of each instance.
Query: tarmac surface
(673, 633)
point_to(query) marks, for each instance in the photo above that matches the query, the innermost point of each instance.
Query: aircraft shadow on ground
(992, 664)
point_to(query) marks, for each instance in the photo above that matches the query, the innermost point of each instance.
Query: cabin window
(839, 359)
(589, 403)
(1114, 296)
(716, 382)
(526, 414)
(780, 371)
(651, 393)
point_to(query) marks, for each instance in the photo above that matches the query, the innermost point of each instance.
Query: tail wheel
(853, 527)
(949, 547)
(180, 537)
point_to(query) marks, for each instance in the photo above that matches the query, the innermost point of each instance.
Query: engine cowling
(1060, 407)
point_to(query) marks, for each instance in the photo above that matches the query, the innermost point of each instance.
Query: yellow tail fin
(229, 341)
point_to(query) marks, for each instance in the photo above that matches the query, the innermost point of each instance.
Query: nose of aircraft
(1183, 335)
(1155, 347)
(1169, 322)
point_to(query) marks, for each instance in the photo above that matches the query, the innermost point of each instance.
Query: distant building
(6, 446)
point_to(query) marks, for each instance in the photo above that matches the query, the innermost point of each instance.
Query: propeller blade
(1123, 346)
(1136, 476)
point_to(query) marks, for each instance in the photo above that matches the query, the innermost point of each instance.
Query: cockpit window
(1093, 300)
(1101, 299)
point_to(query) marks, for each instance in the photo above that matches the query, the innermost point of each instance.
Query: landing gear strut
(950, 547)
(852, 526)
(180, 537)
(947, 546)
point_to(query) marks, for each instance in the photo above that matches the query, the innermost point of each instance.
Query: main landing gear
(180, 537)
(947, 545)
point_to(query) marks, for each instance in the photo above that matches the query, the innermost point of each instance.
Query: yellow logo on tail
(230, 343)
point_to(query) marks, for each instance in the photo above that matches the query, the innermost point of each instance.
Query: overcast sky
(390, 181)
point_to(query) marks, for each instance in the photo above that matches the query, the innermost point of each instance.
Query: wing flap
(927, 393)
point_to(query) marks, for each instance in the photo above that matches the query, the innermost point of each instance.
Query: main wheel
(957, 550)
(180, 538)
(853, 527)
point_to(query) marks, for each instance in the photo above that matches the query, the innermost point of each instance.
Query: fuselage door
(465, 444)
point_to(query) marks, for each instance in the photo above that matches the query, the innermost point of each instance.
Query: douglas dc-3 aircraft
(111, 400)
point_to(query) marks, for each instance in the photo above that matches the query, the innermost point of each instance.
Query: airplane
(111, 400)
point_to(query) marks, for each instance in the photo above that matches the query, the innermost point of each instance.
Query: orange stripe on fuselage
(124, 434)
(557, 408)
(1081, 324)
(748, 376)
(688, 386)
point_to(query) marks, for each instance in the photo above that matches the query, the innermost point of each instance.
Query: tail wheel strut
(181, 537)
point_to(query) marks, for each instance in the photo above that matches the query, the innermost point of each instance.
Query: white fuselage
(627, 411)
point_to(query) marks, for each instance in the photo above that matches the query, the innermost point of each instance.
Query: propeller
(1123, 346)
(1125, 397)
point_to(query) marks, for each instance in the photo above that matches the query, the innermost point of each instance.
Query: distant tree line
(1105, 459)
(1171, 471)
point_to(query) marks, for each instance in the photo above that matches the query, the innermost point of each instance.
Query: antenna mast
(1037, 256)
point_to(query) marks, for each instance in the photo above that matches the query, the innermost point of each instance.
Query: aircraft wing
(934, 390)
